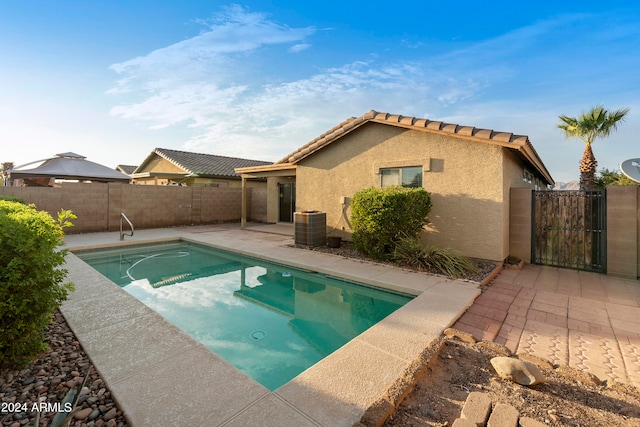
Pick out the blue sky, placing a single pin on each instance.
(112, 80)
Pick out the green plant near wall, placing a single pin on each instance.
(380, 217)
(410, 251)
(12, 199)
(32, 282)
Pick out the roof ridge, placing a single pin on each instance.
(208, 154)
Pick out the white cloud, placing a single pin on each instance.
(299, 47)
(224, 86)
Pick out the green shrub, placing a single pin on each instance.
(31, 279)
(380, 217)
(410, 251)
(12, 199)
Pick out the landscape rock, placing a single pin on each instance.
(476, 408)
(518, 371)
(538, 361)
(503, 415)
(530, 422)
(82, 414)
(49, 378)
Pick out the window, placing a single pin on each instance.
(406, 177)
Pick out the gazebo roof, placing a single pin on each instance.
(71, 166)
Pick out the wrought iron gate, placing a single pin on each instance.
(569, 229)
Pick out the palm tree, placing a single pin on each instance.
(595, 123)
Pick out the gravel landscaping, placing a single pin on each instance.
(47, 380)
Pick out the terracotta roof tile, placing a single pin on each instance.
(434, 125)
(502, 136)
(448, 127)
(483, 133)
(466, 130)
(408, 120)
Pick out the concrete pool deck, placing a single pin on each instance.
(161, 376)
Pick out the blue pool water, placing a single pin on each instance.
(270, 321)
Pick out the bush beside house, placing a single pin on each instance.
(382, 216)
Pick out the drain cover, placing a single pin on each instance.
(258, 335)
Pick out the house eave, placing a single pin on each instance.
(276, 169)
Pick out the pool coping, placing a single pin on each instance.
(157, 373)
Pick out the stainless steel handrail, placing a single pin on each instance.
(122, 234)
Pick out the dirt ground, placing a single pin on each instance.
(567, 398)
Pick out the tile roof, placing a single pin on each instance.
(128, 169)
(519, 143)
(204, 165)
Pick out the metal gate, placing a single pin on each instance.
(569, 229)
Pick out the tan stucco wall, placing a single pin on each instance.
(158, 164)
(465, 178)
(513, 179)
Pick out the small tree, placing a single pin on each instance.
(32, 282)
(606, 177)
(595, 123)
(380, 217)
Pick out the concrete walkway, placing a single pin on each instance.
(584, 320)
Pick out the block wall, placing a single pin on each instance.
(98, 206)
(623, 227)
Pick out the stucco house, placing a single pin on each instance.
(174, 167)
(468, 171)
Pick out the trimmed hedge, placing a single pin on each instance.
(380, 217)
(31, 280)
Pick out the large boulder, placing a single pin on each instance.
(518, 371)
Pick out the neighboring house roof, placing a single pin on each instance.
(128, 169)
(203, 165)
(71, 166)
(519, 143)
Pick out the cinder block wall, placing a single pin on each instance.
(623, 226)
(98, 206)
(90, 202)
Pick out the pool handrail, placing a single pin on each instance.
(122, 233)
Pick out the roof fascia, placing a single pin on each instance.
(274, 169)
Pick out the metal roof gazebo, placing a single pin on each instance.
(70, 166)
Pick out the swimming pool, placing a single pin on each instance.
(270, 321)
